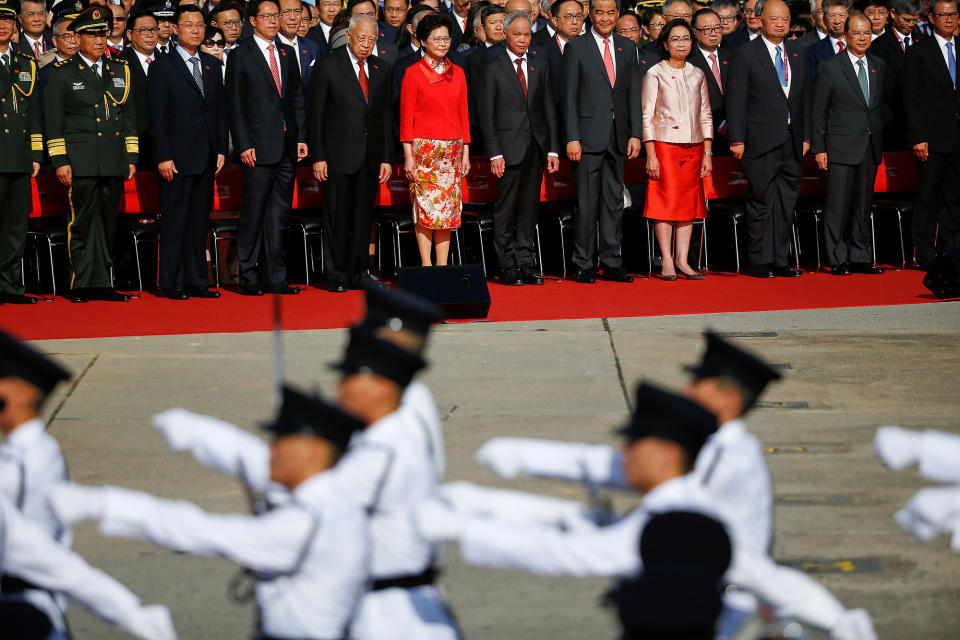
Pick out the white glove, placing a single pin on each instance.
(438, 521)
(177, 427)
(854, 624)
(931, 511)
(898, 448)
(503, 456)
(152, 622)
(73, 503)
(515, 506)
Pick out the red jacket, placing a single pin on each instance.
(434, 106)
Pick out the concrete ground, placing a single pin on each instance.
(847, 371)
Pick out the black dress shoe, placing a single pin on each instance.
(108, 294)
(283, 289)
(530, 275)
(362, 281)
(16, 298)
(840, 269)
(176, 294)
(864, 267)
(336, 286)
(79, 295)
(763, 271)
(616, 274)
(202, 292)
(251, 291)
(587, 276)
(511, 277)
(785, 272)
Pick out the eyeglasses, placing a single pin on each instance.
(269, 16)
(728, 19)
(213, 43)
(679, 39)
(35, 14)
(572, 17)
(709, 30)
(860, 34)
(749, 12)
(657, 25)
(66, 36)
(366, 39)
(232, 23)
(440, 41)
(946, 16)
(876, 12)
(146, 31)
(290, 11)
(678, 16)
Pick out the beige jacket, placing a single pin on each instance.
(676, 106)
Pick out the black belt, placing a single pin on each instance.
(427, 577)
(12, 584)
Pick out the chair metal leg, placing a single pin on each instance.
(306, 263)
(136, 259)
(736, 243)
(396, 231)
(563, 250)
(796, 245)
(216, 258)
(703, 246)
(483, 256)
(536, 230)
(903, 251)
(873, 239)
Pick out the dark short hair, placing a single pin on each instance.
(224, 7)
(491, 10)
(353, 3)
(629, 14)
(430, 22)
(912, 7)
(416, 9)
(186, 8)
(253, 7)
(555, 7)
(667, 28)
(209, 32)
(701, 13)
(650, 14)
(134, 16)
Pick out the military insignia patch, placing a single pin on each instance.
(25, 76)
(96, 15)
(119, 82)
(78, 86)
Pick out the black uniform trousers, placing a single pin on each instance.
(92, 228)
(774, 184)
(598, 179)
(267, 197)
(186, 202)
(846, 212)
(14, 212)
(515, 213)
(937, 201)
(347, 220)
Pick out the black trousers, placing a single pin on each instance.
(267, 197)
(14, 212)
(598, 179)
(774, 184)
(846, 214)
(92, 228)
(937, 200)
(186, 202)
(515, 213)
(347, 219)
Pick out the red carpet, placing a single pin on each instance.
(318, 309)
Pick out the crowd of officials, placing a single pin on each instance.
(101, 91)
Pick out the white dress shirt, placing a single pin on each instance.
(613, 50)
(874, 36)
(143, 61)
(942, 43)
(326, 30)
(460, 21)
(526, 75)
(291, 43)
(32, 41)
(772, 49)
(900, 38)
(835, 44)
(356, 67)
(309, 556)
(866, 67)
(262, 45)
(90, 63)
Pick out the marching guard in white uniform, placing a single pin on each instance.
(309, 557)
(665, 434)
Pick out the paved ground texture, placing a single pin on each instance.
(847, 371)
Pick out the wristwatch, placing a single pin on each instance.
(708, 153)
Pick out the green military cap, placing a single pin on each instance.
(650, 4)
(68, 9)
(96, 19)
(9, 8)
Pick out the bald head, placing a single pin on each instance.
(776, 19)
(519, 5)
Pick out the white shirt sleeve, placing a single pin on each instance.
(565, 460)
(361, 474)
(940, 457)
(268, 543)
(516, 507)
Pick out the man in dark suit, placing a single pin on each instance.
(34, 38)
(228, 17)
(568, 17)
(189, 120)
(603, 126)
(142, 35)
(518, 118)
(385, 50)
(351, 136)
(768, 106)
(491, 21)
(819, 31)
(892, 47)
(291, 16)
(847, 117)
(714, 62)
(749, 30)
(268, 122)
(933, 129)
(394, 15)
(835, 13)
(459, 11)
(328, 10)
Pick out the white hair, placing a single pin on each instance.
(359, 19)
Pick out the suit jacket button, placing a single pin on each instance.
(868, 131)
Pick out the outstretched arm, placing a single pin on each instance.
(516, 507)
(936, 452)
(598, 463)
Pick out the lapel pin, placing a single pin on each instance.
(375, 67)
(206, 66)
(532, 69)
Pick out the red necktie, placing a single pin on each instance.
(716, 70)
(274, 69)
(364, 82)
(521, 77)
(608, 62)
(840, 46)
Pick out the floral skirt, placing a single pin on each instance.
(437, 203)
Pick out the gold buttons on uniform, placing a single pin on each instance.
(99, 134)
(98, 119)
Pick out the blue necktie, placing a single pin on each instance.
(781, 69)
(952, 63)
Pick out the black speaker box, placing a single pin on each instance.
(460, 292)
(943, 276)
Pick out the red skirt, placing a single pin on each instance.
(678, 194)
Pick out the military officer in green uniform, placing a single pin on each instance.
(92, 142)
(21, 151)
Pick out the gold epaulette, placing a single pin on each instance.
(60, 63)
